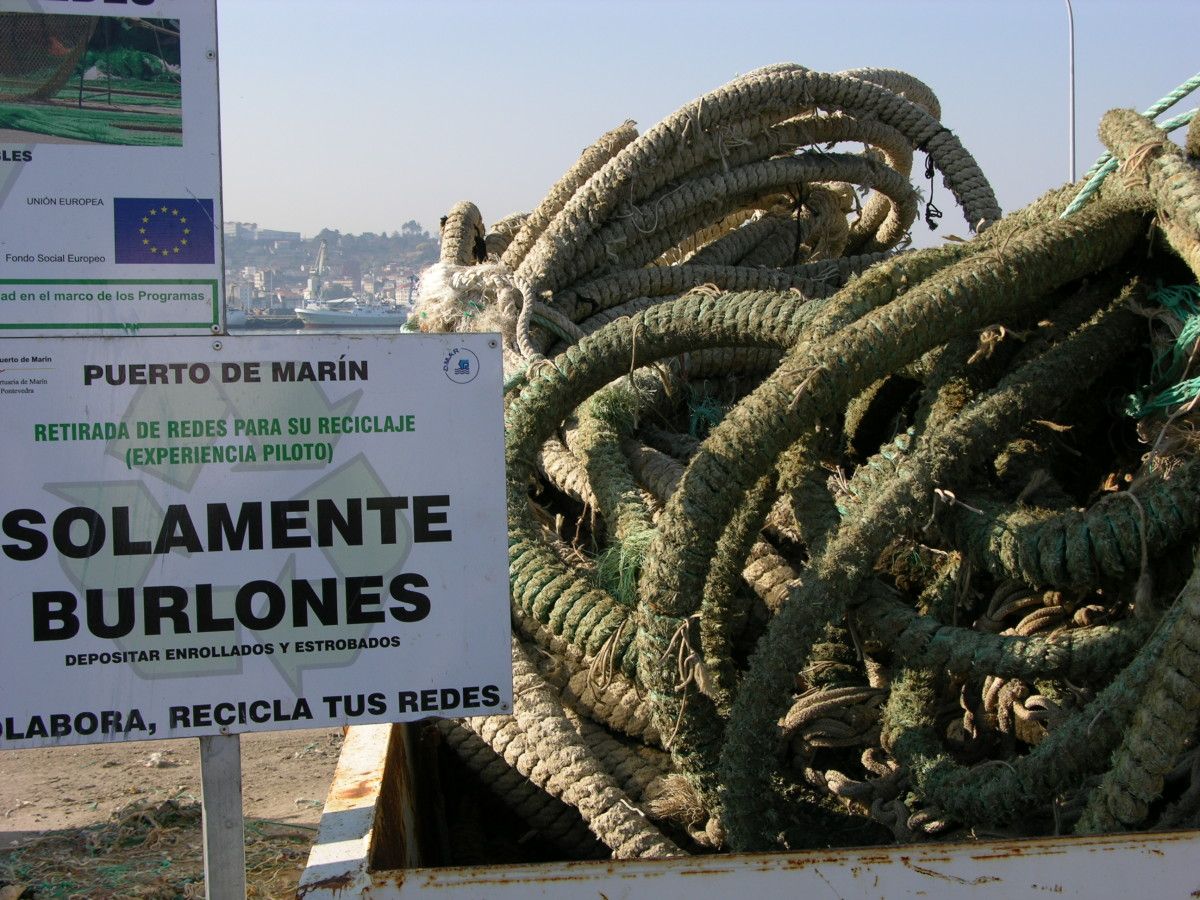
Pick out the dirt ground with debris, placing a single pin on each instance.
(50, 793)
(285, 777)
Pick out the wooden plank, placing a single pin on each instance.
(224, 828)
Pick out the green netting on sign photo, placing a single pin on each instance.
(108, 80)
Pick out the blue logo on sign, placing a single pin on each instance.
(461, 365)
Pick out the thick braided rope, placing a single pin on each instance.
(639, 770)
(819, 231)
(543, 587)
(1174, 182)
(765, 572)
(558, 759)
(748, 136)
(846, 564)
(605, 148)
(1152, 112)
(1053, 548)
(1105, 165)
(642, 233)
(500, 236)
(777, 93)
(732, 245)
(548, 816)
(961, 298)
(819, 131)
(875, 289)
(564, 471)
(829, 234)
(462, 234)
(590, 684)
(902, 83)
(588, 300)
(1165, 720)
(603, 421)
(704, 150)
(1080, 548)
(559, 615)
(1007, 794)
(713, 231)
(723, 609)
(1080, 655)
(847, 561)
(776, 242)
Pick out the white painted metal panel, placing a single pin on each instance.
(203, 536)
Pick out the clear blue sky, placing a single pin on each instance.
(362, 114)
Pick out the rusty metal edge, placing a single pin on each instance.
(339, 861)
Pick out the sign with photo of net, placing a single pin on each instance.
(97, 134)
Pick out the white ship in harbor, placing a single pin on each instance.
(351, 312)
(347, 312)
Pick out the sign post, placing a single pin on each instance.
(224, 828)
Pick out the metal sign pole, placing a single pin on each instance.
(224, 829)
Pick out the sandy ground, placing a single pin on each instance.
(285, 777)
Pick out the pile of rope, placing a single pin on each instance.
(815, 540)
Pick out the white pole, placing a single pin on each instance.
(224, 828)
(1071, 89)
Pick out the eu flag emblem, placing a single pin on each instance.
(163, 230)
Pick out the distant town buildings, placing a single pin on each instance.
(270, 269)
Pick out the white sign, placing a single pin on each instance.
(202, 536)
(110, 168)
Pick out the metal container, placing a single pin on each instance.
(370, 846)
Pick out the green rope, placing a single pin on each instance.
(1106, 164)
(619, 566)
(1166, 715)
(1183, 301)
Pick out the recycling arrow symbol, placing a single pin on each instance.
(355, 478)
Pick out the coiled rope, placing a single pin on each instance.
(865, 538)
